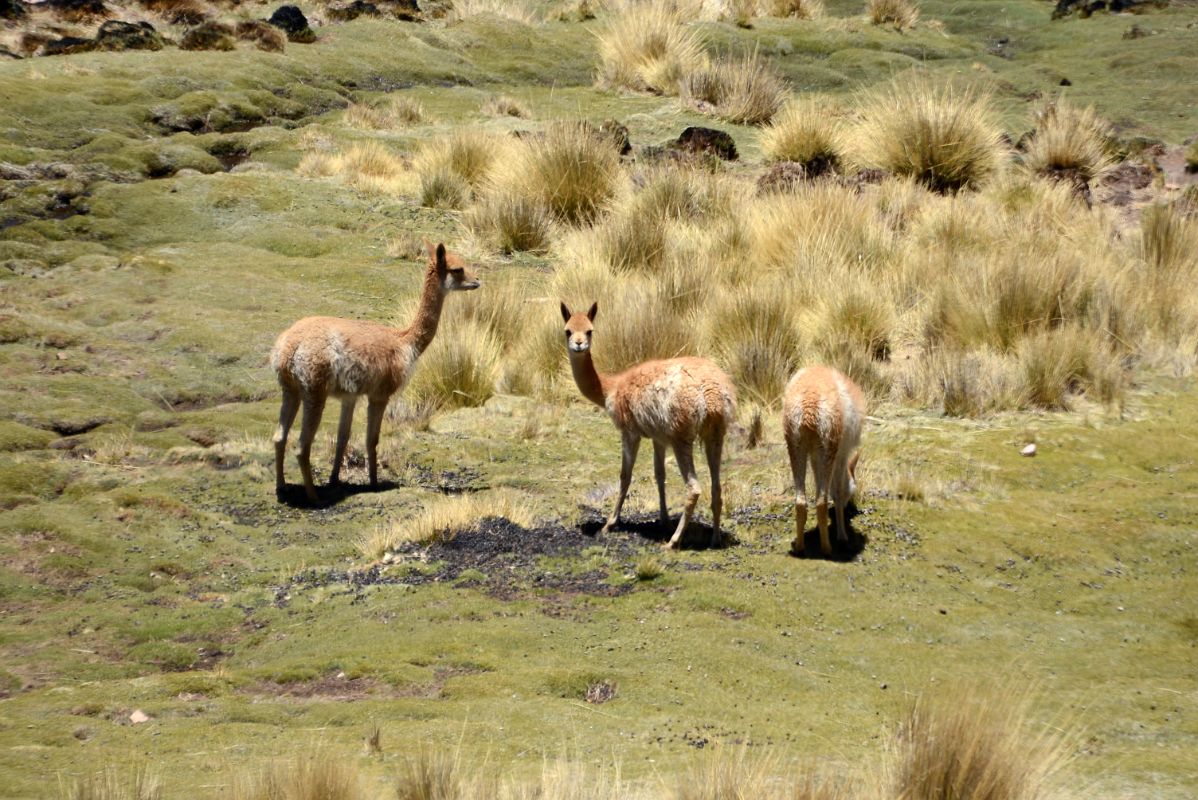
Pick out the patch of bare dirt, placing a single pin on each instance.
(340, 688)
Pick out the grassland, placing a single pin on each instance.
(145, 563)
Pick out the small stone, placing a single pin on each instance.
(883, 686)
(1028, 451)
(138, 717)
(61, 355)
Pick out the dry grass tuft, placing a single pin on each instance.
(744, 91)
(319, 776)
(960, 744)
(899, 14)
(799, 9)
(503, 106)
(395, 112)
(946, 138)
(110, 785)
(572, 171)
(808, 131)
(369, 166)
(443, 519)
(649, 568)
(1069, 143)
(649, 47)
(511, 223)
(458, 370)
(755, 336)
(514, 10)
(451, 169)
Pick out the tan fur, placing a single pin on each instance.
(672, 402)
(823, 412)
(319, 357)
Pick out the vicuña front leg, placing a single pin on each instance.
(631, 444)
(659, 475)
(715, 448)
(374, 426)
(684, 454)
(343, 426)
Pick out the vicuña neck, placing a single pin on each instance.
(422, 330)
(593, 386)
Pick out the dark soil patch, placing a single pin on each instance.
(345, 689)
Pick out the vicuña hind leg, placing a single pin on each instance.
(823, 466)
(684, 453)
(798, 469)
(715, 448)
(313, 409)
(343, 426)
(287, 414)
(631, 444)
(659, 475)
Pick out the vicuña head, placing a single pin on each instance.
(346, 358)
(672, 402)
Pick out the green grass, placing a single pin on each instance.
(147, 565)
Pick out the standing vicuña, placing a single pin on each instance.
(673, 402)
(822, 414)
(346, 358)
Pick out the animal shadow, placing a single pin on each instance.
(697, 535)
(293, 494)
(842, 551)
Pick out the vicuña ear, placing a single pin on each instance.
(428, 248)
(594, 310)
(566, 312)
(442, 264)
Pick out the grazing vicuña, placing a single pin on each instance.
(822, 415)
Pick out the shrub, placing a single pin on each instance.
(1069, 143)
(944, 137)
(807, 132)
(450, 169)
(743, 91)
(901, 14)
(441, 187)
(754, 335)
(458, 370)
(1058, 364)
(648, 47)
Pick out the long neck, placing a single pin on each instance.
(594, 387)
(422, 330)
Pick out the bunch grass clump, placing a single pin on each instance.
(510, 222)
(316, 776)
(514, 10)
(458, 370)
(744, 91)
(502, 105)
(571, 171)
(649, 47)
(368, 166)
(797, 9)
(1069, 143)
(451, 169)
(944, 137)
(754, 334)
(808, 131)
(394, 113)
(111, 785)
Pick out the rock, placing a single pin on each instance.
(781, 177)
(697, 140)
(78, 10)
(1028, 451)
(1085, 8)
(264, 35)
(208, 36)
(406, 10)
(138, 717)
(293, 22)
(13, 9)
(117, 35)
(1066, 82)
(67, 45)
(344, 12)
(617, 132)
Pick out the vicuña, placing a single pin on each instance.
(822, 415)
(673, 402)
(347, 358)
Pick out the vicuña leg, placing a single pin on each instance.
(715, 448)
(840, 498)
(684, 453)
(798, 469)
(632, 443)
(343, 426)
(659, 475)
(313, 410)
(291, 404)
(823, 468)
(374, 426)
